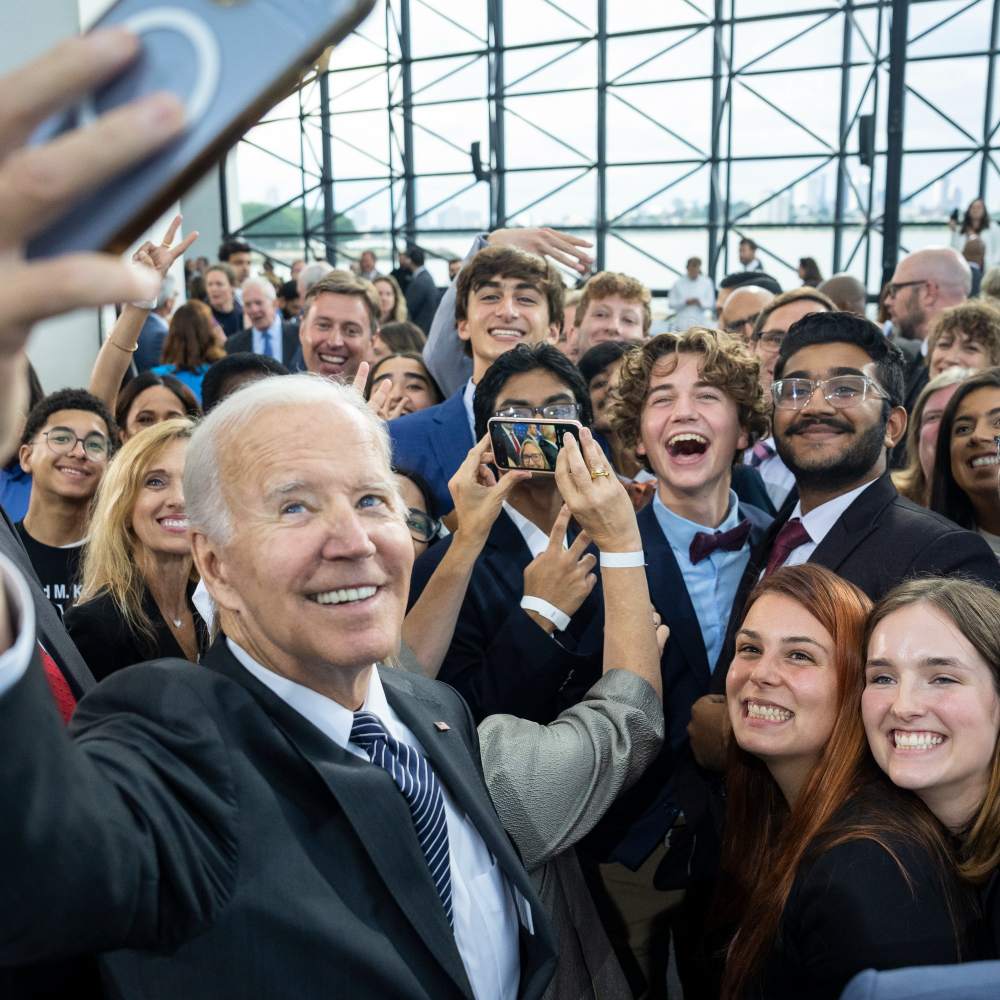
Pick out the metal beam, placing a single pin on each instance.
(894, 137)
(713, 173)
(409, 174)
(326, 176)
(843, 181)
(601, 208)
(496, 89)
(988, 112)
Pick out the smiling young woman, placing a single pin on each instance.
(827, 869)
(931, 709)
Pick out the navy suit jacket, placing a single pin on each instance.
(242, 343)
(433, 443)
(422, 300)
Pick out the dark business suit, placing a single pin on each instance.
(422, 300)
(499, 659)
(242, 342)
(214, 844)
(433, 443)
(851, 908)
(881, 540)
(916, 376)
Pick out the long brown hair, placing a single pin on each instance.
(764, 835)
(190, 341)
(975, 611)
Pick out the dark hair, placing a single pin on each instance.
(758, 278)
(598, 357)
(846, 328)
(228, 247)
(967, 218)
(289, 290)
(402, 336)
(67, 399)
(214, 386)
(422, 485)
(947, 497)
(746, 241)
(410, 356)
(35, 391)
(416, 255)
(146, 380)
(190, 341)
(527, 359)
(812, 272)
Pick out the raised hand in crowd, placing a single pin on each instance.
(116, 352)
(478, 498)
(561, 247)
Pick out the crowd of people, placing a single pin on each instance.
(307, 694)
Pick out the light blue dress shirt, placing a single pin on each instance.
(277, 351)
(713, 582)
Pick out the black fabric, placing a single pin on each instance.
(214, 845)
(422, 300)
(242, 342)
(108, 643)
(57, 569)
(231, 322)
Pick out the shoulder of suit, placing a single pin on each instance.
(434, 694)
(413, 423)
(929, 523)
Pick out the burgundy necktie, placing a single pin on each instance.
(792, 535)
(705, 543)
(61, 691)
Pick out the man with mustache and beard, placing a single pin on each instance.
(837, 393)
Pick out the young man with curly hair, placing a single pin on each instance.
(689, 403)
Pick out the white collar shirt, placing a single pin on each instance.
(485, 918)
(819, 521)
(467, 397)
(536, 539)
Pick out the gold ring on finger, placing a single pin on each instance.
(597, 473)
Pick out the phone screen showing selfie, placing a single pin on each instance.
(528, 444)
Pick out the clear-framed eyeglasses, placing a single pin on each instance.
(62, 441)
(841, 391)
(554, 411)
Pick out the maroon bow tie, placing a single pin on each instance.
(705, 543)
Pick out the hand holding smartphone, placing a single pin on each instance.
(530, 445)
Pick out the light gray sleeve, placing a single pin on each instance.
(552, 784)
(444, 353)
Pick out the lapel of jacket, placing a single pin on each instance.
(669, 595)
(454, 439)
(855, 525)
(374, 817)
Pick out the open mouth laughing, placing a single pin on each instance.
(687, 445)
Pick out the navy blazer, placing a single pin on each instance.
(433, 443)
(242, 343)
(641, 817)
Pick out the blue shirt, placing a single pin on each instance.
(192, 379)
(15, 490)
(712, 583)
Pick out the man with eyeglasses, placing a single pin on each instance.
(504, 297)
(65, 448)
(741, 310)
(765, 342)
(528, 658)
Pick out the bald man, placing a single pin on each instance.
(847, 293)
(741, 310)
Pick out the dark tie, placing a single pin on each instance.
(762, 451)
(705, 543)
(792, 535)
(267, 339)
(415, 778)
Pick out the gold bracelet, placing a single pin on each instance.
(128, 350)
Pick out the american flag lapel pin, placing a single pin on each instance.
(442, 727)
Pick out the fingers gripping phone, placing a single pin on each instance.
(532, 445)
(228, 61)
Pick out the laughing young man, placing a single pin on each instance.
(690, 402)
(504, 297)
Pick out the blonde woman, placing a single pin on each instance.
(391, 299)
(137, 571)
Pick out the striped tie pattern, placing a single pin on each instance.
(415, 778)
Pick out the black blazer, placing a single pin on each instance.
(242, 342)
(422, 300)
(213, 844)
(881, 540)
(852, 909)
(108, 643)
(499, 659)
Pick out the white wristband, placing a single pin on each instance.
(148, 304)
(548, 611)
(622, 560)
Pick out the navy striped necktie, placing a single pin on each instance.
(415, 778)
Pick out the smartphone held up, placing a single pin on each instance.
(228, 62)
(531, 445)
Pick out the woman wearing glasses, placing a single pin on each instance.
(65, 448)
(137, 571)
(966, 483)
(425, 528)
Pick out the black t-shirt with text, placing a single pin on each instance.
(57, 568)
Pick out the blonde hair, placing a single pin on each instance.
(109, 564)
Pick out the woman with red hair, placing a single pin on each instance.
(827, 869)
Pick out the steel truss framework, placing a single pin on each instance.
(676, 129)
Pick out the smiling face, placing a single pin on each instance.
(974, 460)
(930, 423)
(219, 291)
(931, 711)
(151, 406)
(314, 579)
(72, 476)
(258, 306)
(690, 430)
(336, 335)
(781, 688)
(410, 383)
(602, 387)
(830, 449)
(386, 298)
(158, 518)
(502, 313)
(611, 318)
(957, 350)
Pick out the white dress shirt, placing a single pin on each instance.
(685, 288)
(468, 395)
(485, 918)
(778, 478)
(536, 539)
(819, 521)
(277, 347)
